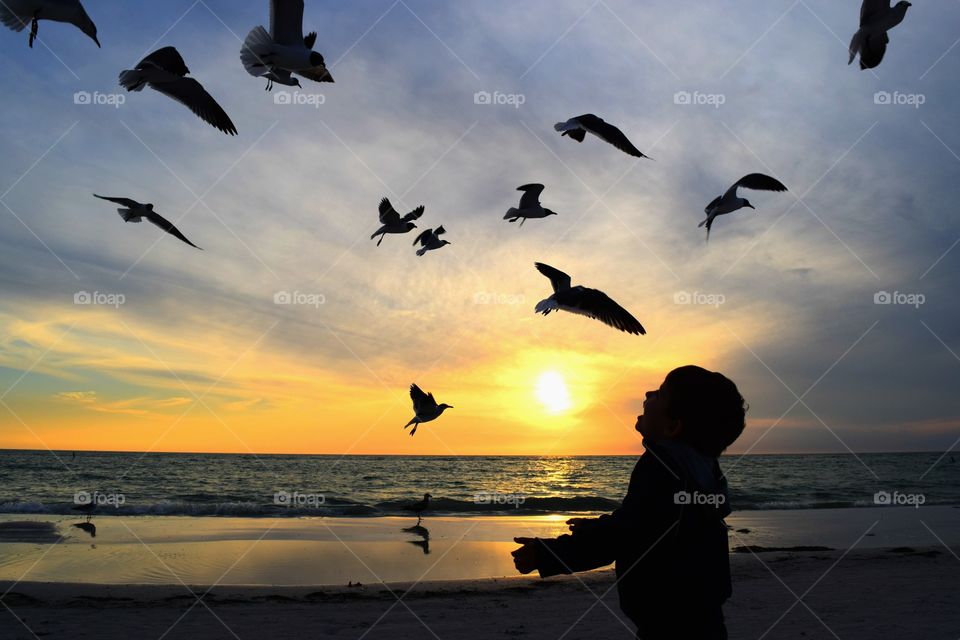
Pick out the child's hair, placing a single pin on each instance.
(709, 405)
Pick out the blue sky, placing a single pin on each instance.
(289, 204)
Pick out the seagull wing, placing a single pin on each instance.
(317, 74)
(422, 402)
(712, 204)
(757, 182)
(439, 231)
(126, 202)
(388, 215)
(167, 226)
(423, 238)
(872, 50)
(286, 22)
(168, 59)
(414, 215)
(870, 10)
(609, 133)
(192, 95)
(13, 20)
(310, 39)
(531, 195)
(599, 306)
(558, 279)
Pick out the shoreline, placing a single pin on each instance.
(863, 593)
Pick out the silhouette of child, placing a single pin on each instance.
(668, 538)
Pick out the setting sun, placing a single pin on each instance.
(552, 392)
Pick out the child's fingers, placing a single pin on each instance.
(524, 540)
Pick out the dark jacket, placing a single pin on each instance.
(670, 549)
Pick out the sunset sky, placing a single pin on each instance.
(200, 358)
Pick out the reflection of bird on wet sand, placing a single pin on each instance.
(424, 533)
(87, 527)
(419, 507)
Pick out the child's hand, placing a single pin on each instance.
(525, 558)
(580, 524)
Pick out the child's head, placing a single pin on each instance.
(702, 408)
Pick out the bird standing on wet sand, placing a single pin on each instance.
(577, 128)
(585, 302)
(393, 223)
(530, 206)
(730, 201)
(133, 211)
(419, 507)
(425, 408)
(17, 14)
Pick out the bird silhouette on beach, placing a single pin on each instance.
(392, 221)
(133, 211)
(877, 17)
(425, 408)
(165, 71)
(17, 14)
(87, 508)
(577, 128)
(429, 240)
(585, 302)
(530, 206)
(419, 507)
(423, 532)
(730, 201)
(284, 50)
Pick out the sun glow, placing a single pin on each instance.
(552, 392)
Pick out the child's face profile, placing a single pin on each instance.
(653, 423)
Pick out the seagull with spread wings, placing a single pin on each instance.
(165, 71)
(392, 221)
(283, 50)
(429, 240)
(530, 206)
(585, 302)
(425, 408)
(133, 211)
(577, 128)
(730, 201)
(870, 41)
(17, 14)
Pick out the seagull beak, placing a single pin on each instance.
(752, 207)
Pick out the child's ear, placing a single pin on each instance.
(674, 429)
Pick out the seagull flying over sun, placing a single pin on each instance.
(425, 408)
(585, 302)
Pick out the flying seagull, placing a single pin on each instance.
(585, 302)
(284, 49)
(870, 41)
(429, 240)
(17, 14)
(165, 71)
(425, 408)
(393, 223)
(577, 128)
(133, 211)
(530, 206)
(730, 201)
(419, 507)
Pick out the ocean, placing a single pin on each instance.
(369, 485)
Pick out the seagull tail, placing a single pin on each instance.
(413, 420)
(855, 45)
(705, 221)
(257, 45)
(420, 252)
(132, 80)
(546, 306)
(512, 212)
